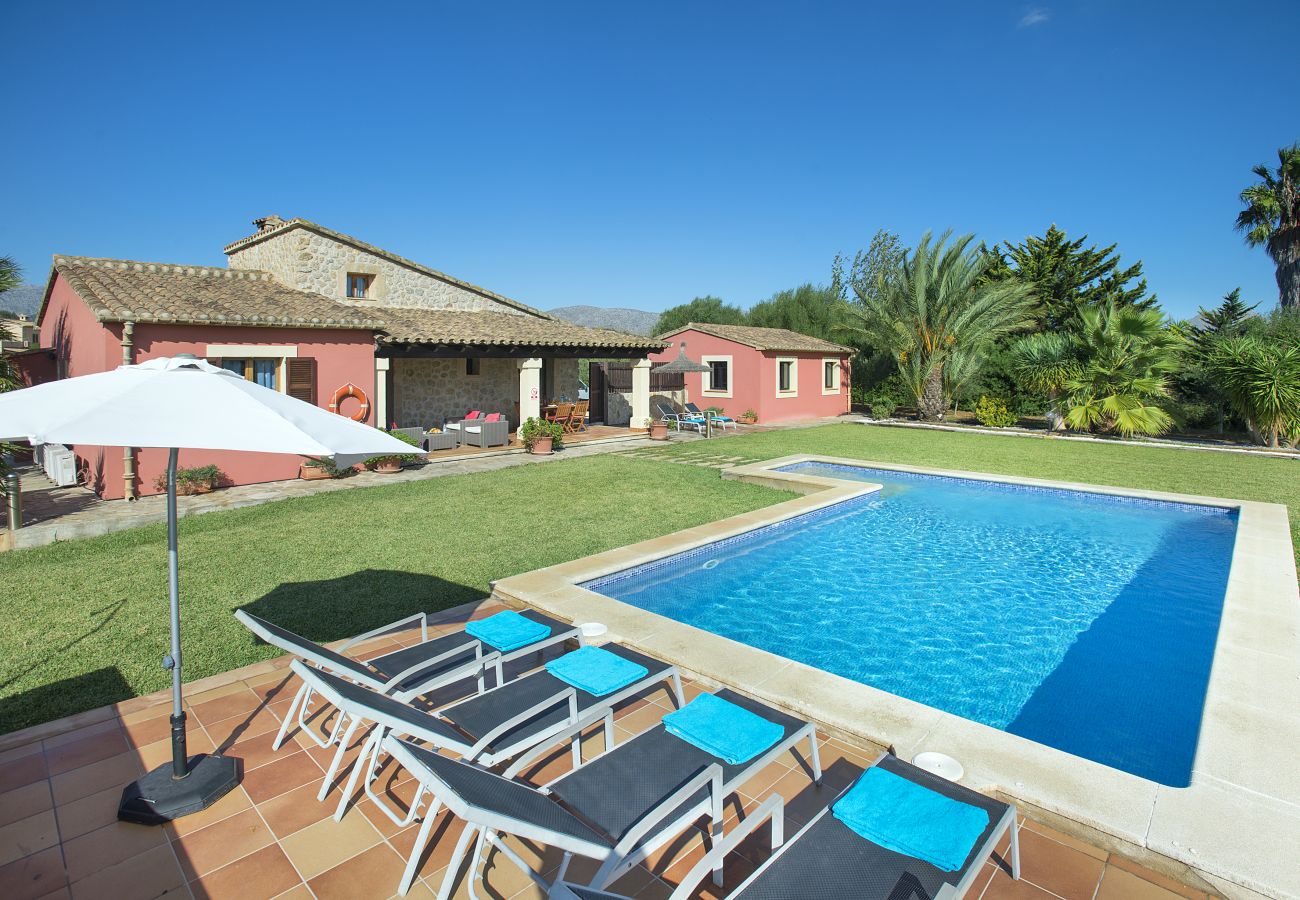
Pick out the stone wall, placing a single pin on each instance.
(302, 259)
(430, 391)
(564, 379)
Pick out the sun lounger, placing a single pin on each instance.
(843, 864)
(680, 420)
(403, 673)
(615, 809)
(491, 728)
(719, 420)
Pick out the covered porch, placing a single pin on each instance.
(440, 365)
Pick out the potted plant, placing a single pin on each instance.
(196, 480)
(749, 417)
(658, 429)
(315, 469)
(389, 465)
(541, 437)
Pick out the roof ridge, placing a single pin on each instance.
(159, 268)
(300, 222)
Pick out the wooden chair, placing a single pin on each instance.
(563, 413)
(579, 420)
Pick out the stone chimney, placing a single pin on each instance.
(266, 223)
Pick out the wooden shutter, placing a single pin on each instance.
(302, 378)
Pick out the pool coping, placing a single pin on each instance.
(1237, 823)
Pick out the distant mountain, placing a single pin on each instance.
(24, 299)
(631, 321)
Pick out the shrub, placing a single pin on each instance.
(881, 401)
(195, 480)
(533, 429)
(397, 458)
(993, 412)
(327, 465)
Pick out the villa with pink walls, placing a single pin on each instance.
(315, 314)
(781, 375)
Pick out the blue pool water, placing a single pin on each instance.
(1081, 621)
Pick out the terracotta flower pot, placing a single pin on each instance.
(659, 431)
(389, 467)
(748, 420)
(541, 446)
(312, 473)
(203, 487)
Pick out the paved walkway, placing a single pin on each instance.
(65, 514)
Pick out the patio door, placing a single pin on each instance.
(596, 391)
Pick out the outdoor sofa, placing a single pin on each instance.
(615, 809)
(840, 862)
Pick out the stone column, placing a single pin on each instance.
(382, 412)
(640, 393)
(530, 389)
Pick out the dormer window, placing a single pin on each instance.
(358, 286)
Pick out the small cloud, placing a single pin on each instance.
(1034, 15)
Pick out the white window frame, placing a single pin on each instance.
(258, 351)
(706, 378)
(833, 360)
(794, 376)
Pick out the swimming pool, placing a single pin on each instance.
(1082, 621)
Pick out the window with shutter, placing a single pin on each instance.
(302, 378)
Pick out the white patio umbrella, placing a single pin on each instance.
(173, 403)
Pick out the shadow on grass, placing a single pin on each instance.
(338, 608)
(63, 698)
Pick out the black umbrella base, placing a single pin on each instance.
(158, 797)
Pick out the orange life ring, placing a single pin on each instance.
(351, 390)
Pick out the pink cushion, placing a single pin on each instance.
(493, 417)
(473, 414)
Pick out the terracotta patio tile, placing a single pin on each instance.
(23, 770)
(320, 847)
(27, 836)
(263, 719)
(88, 813)
(234, 686)
(77, 735)
(262, 874)
(302, 892)
(116, 771)
(1062, 838)
(33, 876)
(234, 802)
(1118, 884)
(280, 776)
(143, 876)
(256, 751)
(235, 703)
(373, 873)
(30, 748)
(1119, 862)
(1002, 887)
(221, 843)
(147, 731)
(1057, 868)
(295, 810)
(25, 801)
(154, 755)
(437, 853)
(108, 846)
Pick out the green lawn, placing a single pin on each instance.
(88, 618)
(1233, 475)
(86, 621)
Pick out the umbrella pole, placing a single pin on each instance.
(180, 760)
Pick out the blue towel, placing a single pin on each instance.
(903, 816)
(507, 630)
(596, 671)
(730, 732)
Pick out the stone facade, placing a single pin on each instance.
(430, 391)
(306, 260)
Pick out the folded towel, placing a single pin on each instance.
(596, 670)
(507, 630)
(730, 732)
(903, 816)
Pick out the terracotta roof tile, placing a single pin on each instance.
(120, 290)
(411, 325)
(778, 339)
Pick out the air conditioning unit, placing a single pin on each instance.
(60, 464)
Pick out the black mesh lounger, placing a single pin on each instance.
(403, 673)
(614, 809)
(843, 864)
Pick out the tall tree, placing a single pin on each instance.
(870, 270)
(1271, 219)
(10, 278)
(1262, 381)
(1067, 276)
(708, 309)
(1228, 319)
(936, 316)
(809, 309)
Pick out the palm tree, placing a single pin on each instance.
(10, 274)
(935, 317)
(1262, 382)
(1043, 363)
(1272, 219)
(1123, 359)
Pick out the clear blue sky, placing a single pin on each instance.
(638, 155)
